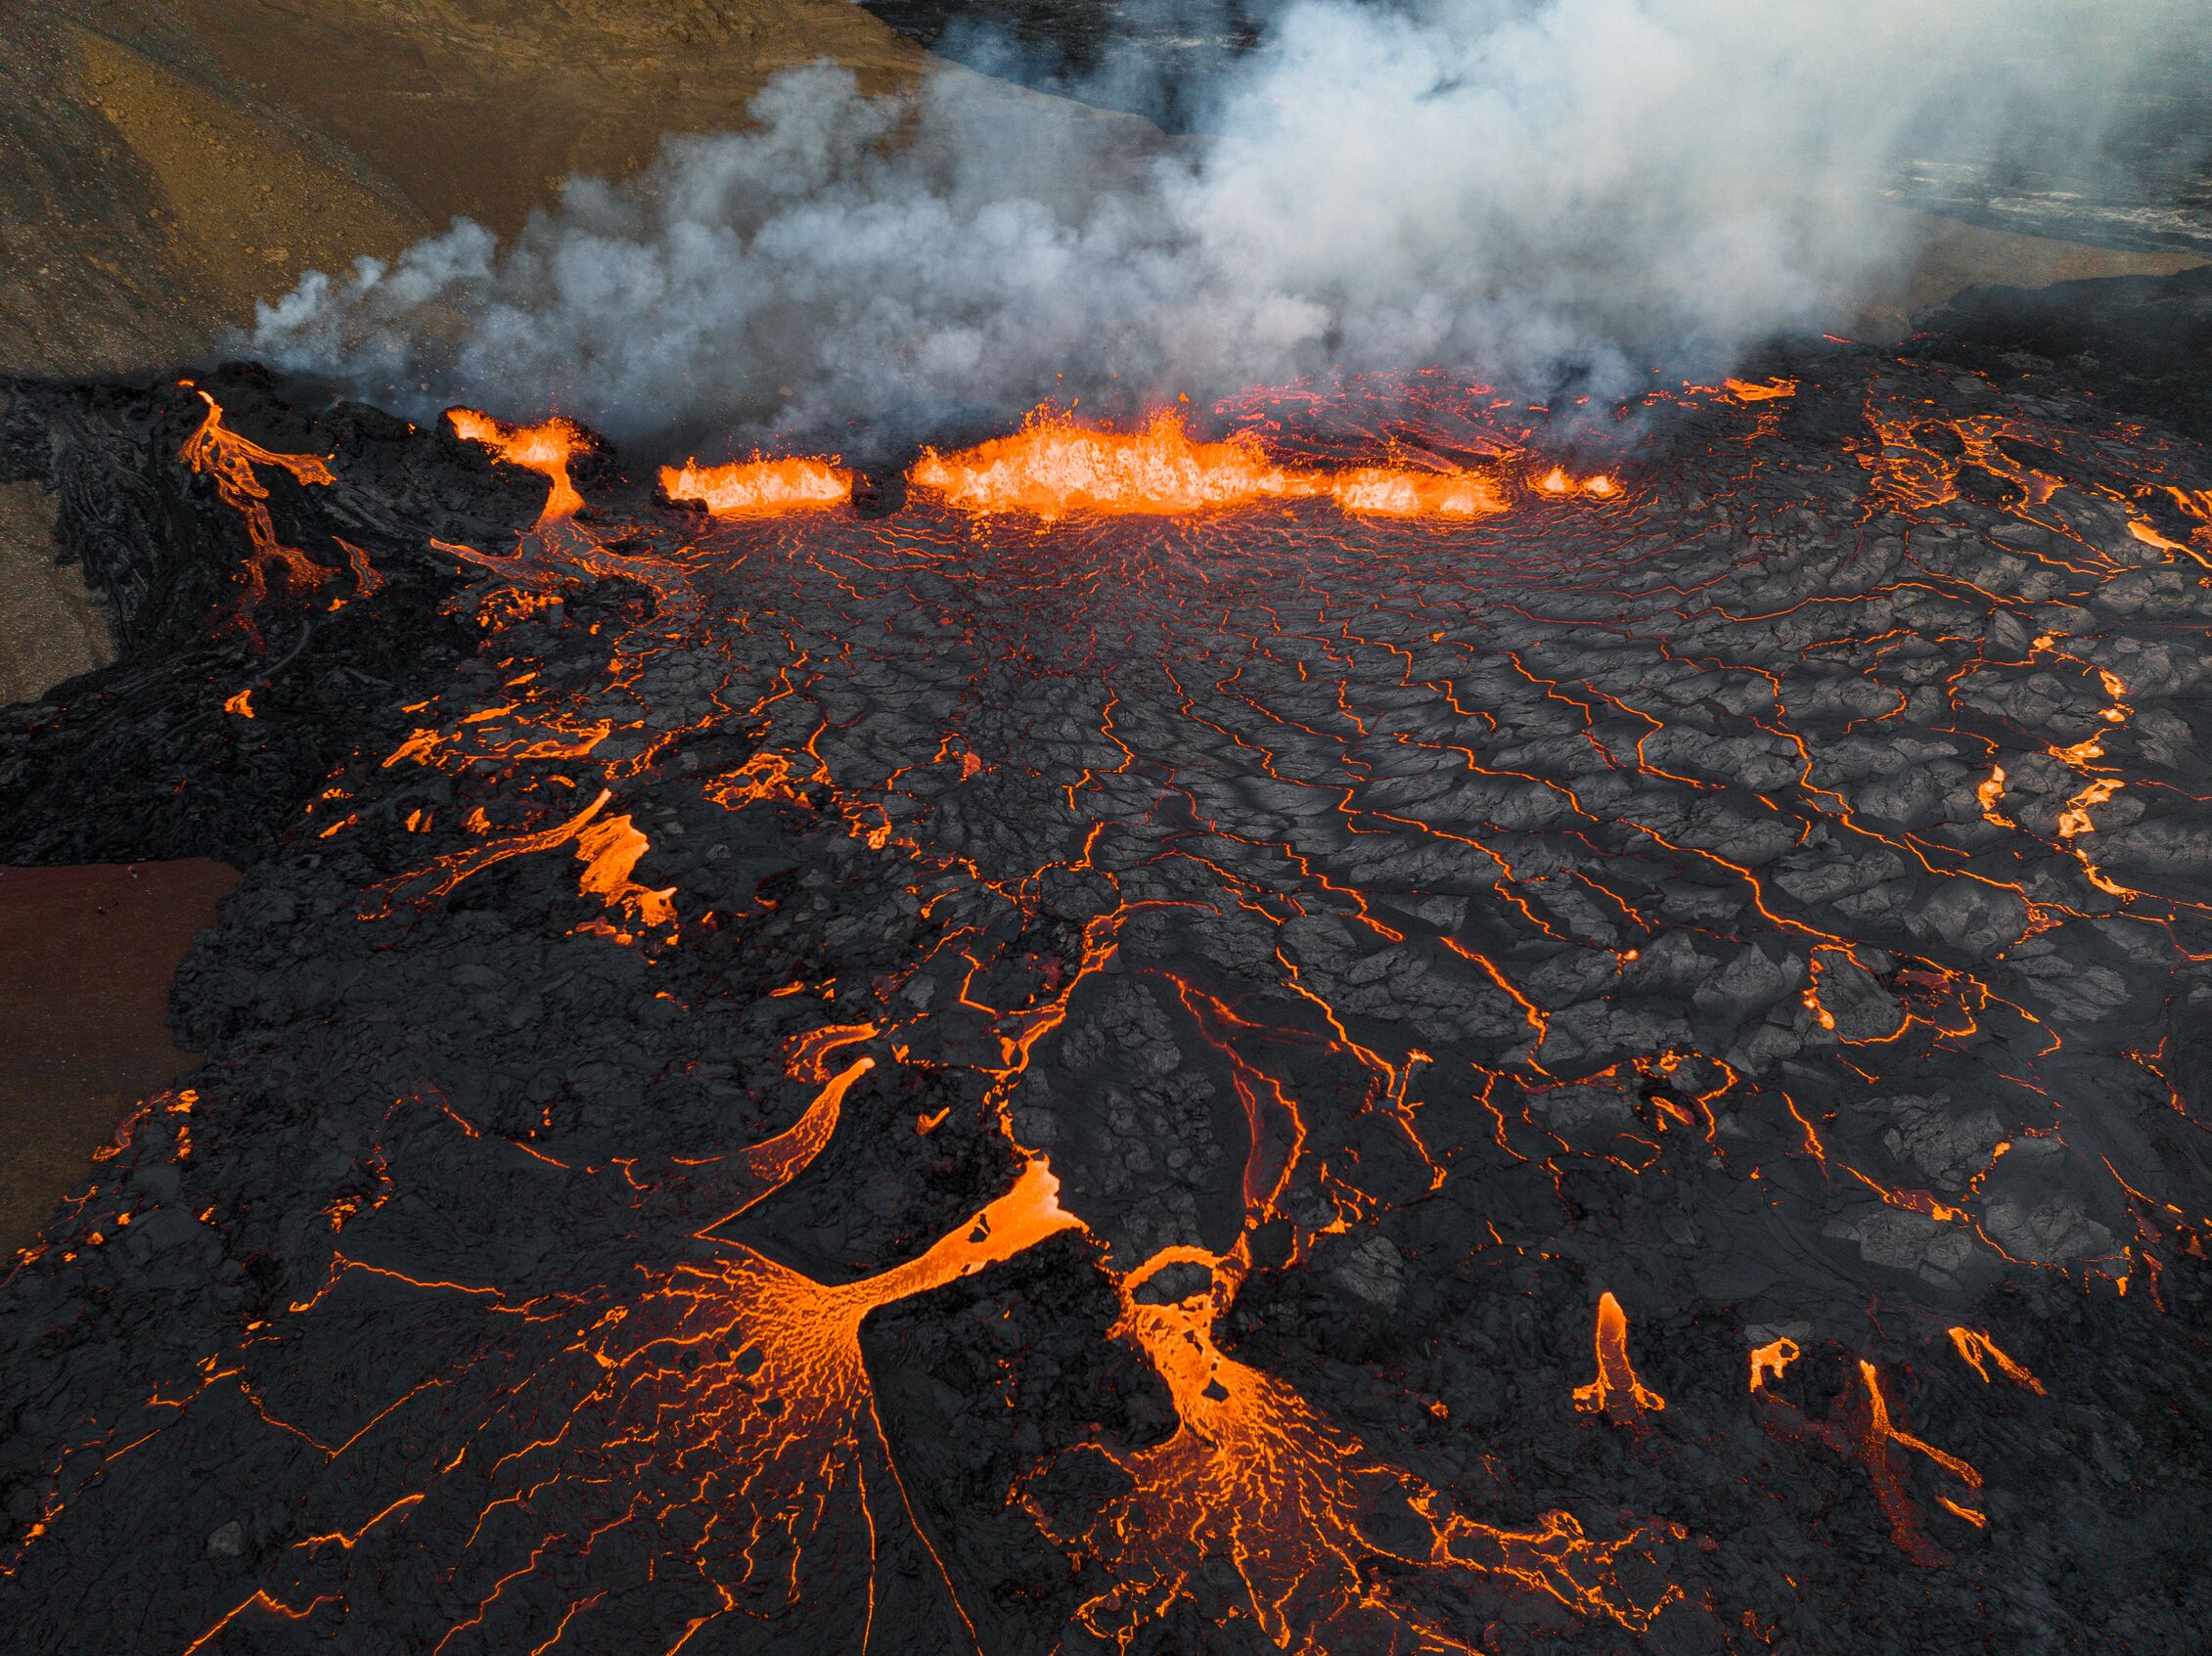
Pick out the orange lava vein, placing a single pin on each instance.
(229, 460)
(772, 1164)
(1256, 1488)
(1868, 1430)
(764, 1366)
(1979, 1350)
(457, 866)
(729, 1403)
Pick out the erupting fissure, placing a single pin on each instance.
(545, 448)
(1053, 468)
(747, 487)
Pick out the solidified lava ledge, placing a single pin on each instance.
(1609, 1053)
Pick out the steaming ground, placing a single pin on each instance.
(1559, 195)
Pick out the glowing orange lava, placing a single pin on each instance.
(1258, 1498)
(758, 487)
(1558, 482)
(728, 1389)
(783, 1438)
(229, 460)
(1979, 1350)
(1377, 491)
(781, 1474)
(545, 448)
(1760, 391)
(1053, 468)
(1615, 1392)
(1869, 1432)
(1770, 1360)
(609, 847)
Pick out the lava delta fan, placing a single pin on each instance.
(1395, 1028)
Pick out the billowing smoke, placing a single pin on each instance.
(1529, 190)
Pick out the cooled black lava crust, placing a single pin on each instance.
(1774, 895)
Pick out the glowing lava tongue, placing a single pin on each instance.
(1051, 468)
(1616, 1393)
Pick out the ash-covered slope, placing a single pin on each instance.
(1621, 1075)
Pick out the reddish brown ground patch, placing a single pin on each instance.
(87, 955)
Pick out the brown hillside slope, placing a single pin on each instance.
(166, 166)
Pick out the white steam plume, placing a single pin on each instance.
(1511, 188)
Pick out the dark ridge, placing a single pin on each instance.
(2140, 343)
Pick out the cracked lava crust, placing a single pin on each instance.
(1407, 1029)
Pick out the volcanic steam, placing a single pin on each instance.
(1565, 191)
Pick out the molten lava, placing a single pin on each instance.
(1760, 391)
(1053, 468)
(724, 1406)
(1615, 1392)
(1770, 1360)
(1377, 491)
(1867, 1430)
(609, 847)
(545, 448)
(1407, 864)
(1557, 482)
(229, 460)
(758, 487)
(1979, 1350)
(1258, 1507)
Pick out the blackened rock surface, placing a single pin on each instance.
(1773, 894)
(2141, 344)
(136, 760)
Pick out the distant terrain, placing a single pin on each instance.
(168, 166)
(2144, 186)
